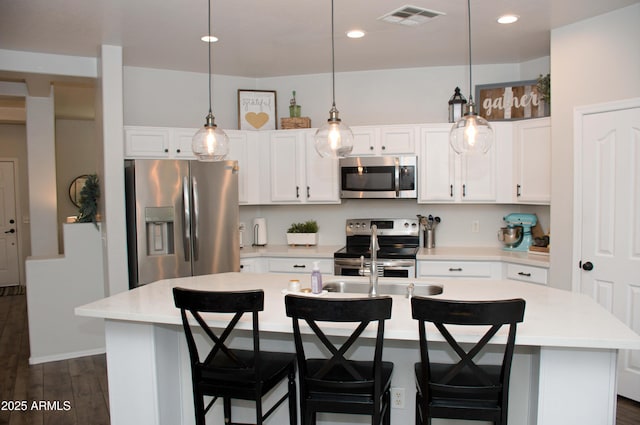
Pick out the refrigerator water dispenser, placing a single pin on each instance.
(159, 227)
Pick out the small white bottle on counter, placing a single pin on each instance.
(316, 279)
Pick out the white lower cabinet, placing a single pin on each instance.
(459, 269)
(298, 265)
(252, 265)
(526, 273)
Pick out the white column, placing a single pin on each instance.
(41, 151)
(110, 109)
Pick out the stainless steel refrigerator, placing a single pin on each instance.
(182, 219)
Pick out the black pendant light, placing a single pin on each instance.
(334, 139)
(471, 134)
(210, 143)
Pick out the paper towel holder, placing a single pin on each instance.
(259, 233)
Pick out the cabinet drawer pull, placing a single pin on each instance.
(524, 274)
(299, 266)
(456, 269)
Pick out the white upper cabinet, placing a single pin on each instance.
(297, 173)
(532, 161)
(244, 148)
(158, 142)
(384, 140)
(447, 177)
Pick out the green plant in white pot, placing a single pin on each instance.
(303, 233)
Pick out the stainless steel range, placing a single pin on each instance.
(399, 240)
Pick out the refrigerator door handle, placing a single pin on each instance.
(196, 219)
(186, 219)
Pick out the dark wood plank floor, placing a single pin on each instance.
(69, 392)
(82, 382)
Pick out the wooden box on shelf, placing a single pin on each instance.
(293, 123)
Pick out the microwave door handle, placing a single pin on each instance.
(186, 219)
(397, 176)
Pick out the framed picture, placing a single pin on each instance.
(515, 100)
(257, 110)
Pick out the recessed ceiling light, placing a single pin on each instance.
(508, 19)
(355, 34)
(209, 39)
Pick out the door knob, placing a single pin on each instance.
(11, 231)
(588, 266)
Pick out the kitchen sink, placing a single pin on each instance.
(384, 288)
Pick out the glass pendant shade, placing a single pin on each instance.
(210, 143)
(334, 139)
(471, 134)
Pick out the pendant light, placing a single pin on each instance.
(334, 139)
(210, 143)
(471, 134)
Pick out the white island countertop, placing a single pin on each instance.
(553, 317)
(565, 359)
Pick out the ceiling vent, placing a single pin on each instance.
(410, 16)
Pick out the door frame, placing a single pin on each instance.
(578, 115)
(19, 223)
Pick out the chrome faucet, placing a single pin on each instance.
(373, 271)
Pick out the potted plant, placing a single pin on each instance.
(303, 233)
(89, 195)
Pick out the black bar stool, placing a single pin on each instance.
(336, 383)
(229, 373)
(466, 389)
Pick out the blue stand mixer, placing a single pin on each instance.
(517, 235)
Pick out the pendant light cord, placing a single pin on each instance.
(209, 42)
(333, 60)
(469, 35)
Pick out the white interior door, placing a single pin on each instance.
(610, 255)
(9, 265)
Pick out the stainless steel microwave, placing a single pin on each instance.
(378, 177)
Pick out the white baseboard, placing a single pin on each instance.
(66, 356)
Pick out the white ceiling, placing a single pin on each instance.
(263, 38)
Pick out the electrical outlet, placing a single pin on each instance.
(475, 226)
(397, 398)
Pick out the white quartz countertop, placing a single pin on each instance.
(553, 317)
(451, 253)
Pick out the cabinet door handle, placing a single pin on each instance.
(384, 147)
(166, 150)
(518, 192)
(464, 190)
(451, 190)
(456, 269)
(299, 266)
(177, 150)
(370, 148)
(308, 193)
(524, 274)
(297, 191)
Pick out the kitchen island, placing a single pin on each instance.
(564, 368)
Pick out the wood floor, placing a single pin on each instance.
(74, 391)
(69, 392)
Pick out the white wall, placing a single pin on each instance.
(76, 154)
(593, 61)
(414, 95)
(454, 230)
